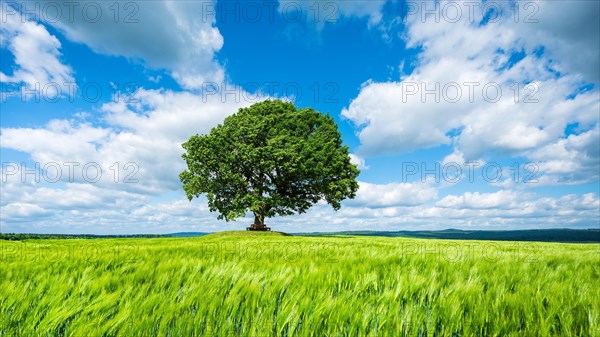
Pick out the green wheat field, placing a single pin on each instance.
(269, 284)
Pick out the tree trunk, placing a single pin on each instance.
(259, 222)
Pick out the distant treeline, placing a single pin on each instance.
(540, 235)
(18, 237)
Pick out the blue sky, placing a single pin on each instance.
(474, 116)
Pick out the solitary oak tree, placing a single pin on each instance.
(270, 159)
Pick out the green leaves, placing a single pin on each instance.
(270, 159)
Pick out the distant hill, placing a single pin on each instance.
(186, 234)
(542, 235)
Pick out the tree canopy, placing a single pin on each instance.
(270, 159)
